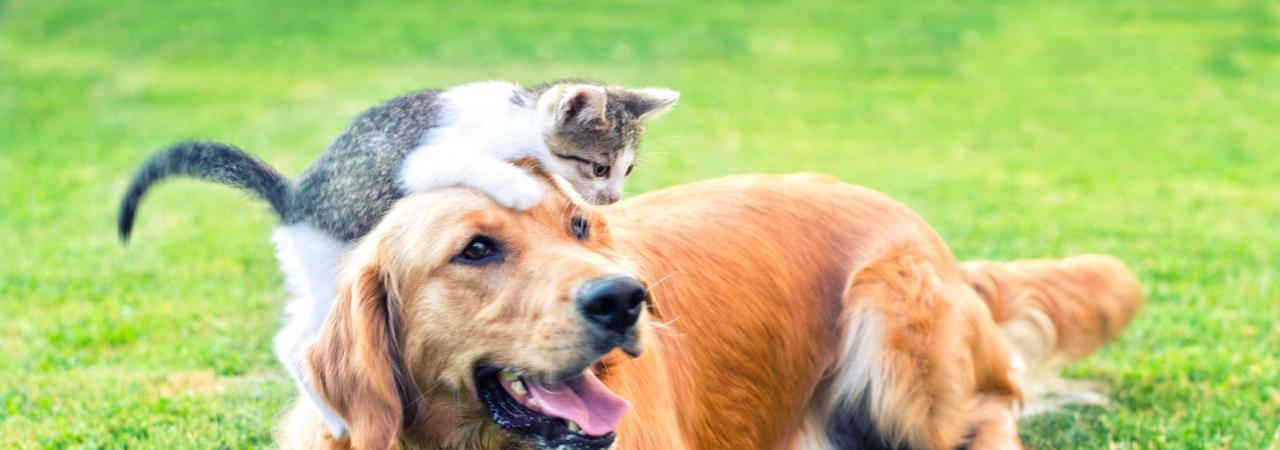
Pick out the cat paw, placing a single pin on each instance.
(520, 194)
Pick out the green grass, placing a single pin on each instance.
(1143, 128)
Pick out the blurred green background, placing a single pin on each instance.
(1145, 129)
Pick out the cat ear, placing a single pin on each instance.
(649, 103)
(584, 105)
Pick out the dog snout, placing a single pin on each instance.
(612, 303)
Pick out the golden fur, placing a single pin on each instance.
(787, 312)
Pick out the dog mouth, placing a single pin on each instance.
(575, 412)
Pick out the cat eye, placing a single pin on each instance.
(598, 170)
(479, 251)
(629, 168)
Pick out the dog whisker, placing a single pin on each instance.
(665, 327)
(660, 280)
(422, 394)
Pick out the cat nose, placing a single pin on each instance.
(613, 197)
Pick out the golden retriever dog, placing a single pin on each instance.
(750, 312)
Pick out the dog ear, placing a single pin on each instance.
(356, 365)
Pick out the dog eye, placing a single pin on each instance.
(579, 228)
(599, 170)
(480, 250)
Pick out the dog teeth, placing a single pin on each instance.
(518, 387)
(508, 376)
(573, 426)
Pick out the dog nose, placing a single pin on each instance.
(613, 303)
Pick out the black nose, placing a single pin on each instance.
(613, 303)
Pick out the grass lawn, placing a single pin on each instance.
(1145, 129)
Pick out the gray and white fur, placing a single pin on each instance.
(469, 136)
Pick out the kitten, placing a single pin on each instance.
(469, 135)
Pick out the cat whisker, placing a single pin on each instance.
(666, 138)
(648, 154)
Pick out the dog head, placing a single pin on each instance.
(467, 324)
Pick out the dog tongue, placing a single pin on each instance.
(582, 399)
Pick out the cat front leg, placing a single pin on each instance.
(507, 184)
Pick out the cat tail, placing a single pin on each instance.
(210, 161)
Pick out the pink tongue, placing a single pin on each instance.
(582, 399)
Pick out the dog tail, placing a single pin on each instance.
(1054, 312)
(211, 161)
